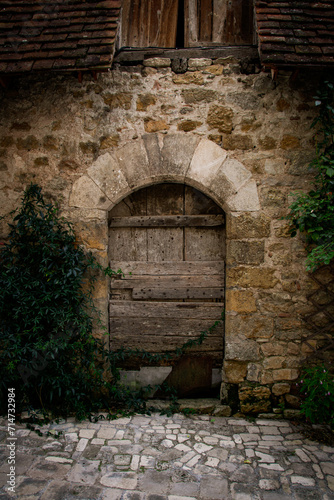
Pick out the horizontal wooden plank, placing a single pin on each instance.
(168, 327)
(177, 293)
(159, 344)
(135, 281)
(168, 221)
(139, 54)
(195, 268)
(141, 309)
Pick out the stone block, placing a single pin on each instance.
(273, 348)
(245, 252)
(253, 372)
(157, 62)
(290, 142)
(240, 301)
(235, 172)
(109, 141)
(273, 197)
(92, 235)
(206, 161)
(274, 362)
(254, 399)
(86, 194)
(285, 374)
(188, 125)
(220, 117)
(253, 327)
(215, 69)
(247, 225)
(246, 199)
(198, 63)
(237, 141)
(257, 277)
(107, 174)
(144, 101)
(198, 95)
(177, 153)
(235, 371)
(133, 162)
(245, 100)
(195, 78)
(241, 349)
(267, 143)
(152, 126)
(280, 389)
(122, 480)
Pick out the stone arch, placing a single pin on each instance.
(202, 164)
(158, 158)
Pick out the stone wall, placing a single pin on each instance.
(243, 139)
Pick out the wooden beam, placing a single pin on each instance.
(168, 221)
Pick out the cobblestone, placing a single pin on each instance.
(161, 457)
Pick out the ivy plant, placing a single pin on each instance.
(312, 213)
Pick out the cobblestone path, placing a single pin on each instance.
(168, 458)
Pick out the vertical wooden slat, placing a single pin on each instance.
(205, 20)
(191, 23)
(149, 23)
(219, 20)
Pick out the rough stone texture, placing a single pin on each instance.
(176, 457)
(254, 399)
(243, 139)
(248, 226)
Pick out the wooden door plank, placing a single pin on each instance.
(141, 309)
(133, 281)
(158, 344)
(219, 20)
(164, 244)
(190, 23)
(169, 268)
(205, 20)
(128, 243)
(168, 221)
(197, 203)
(204, 244)
(177, 293)
(169, 326)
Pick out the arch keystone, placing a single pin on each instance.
(176, 155)
(133, 161)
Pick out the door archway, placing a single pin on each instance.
(171, 238)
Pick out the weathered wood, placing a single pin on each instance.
(158, 344)
(177, 293)
(180, 327)
(165, 244)
(168, 221)
(127, 55)
(201, 244)
(220, 22)
(205, 20)
(142, 309)
(144, 23)
(169, 268)
(135, 281)
(121, 248)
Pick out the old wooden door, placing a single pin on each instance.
(171, 238)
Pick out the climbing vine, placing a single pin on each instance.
(312, 213)
(48, 352)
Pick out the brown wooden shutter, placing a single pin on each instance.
(149, 23)
(218, 22)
